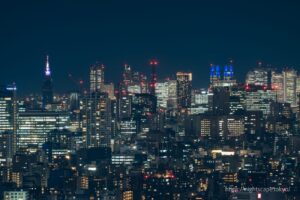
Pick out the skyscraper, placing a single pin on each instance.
(96, 78)
(123, 95)
(228, 76)
(172, 95)
(97, 120)
(8, 116)
(215, 75)
(166, 94)
(153, 64)
(124, 104)
(97, 111)
(144, 108)
(184, 89)
(34, 126)
(143, 83)
(47, 89)
(259, 99)
(228, 72)
(277, 85)
(289, 86)
(161, 92)
(259, 76)
(127, 75)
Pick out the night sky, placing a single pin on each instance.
(182, 35)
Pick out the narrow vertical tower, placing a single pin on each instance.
(47, 89)
(153, 64)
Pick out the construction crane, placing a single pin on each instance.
(78, 82)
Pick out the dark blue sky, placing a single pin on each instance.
(183, 35)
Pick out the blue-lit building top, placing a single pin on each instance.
(228, 72)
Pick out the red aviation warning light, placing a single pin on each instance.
(247, 87)
(153, 62)
(146, 176)
(265, 87)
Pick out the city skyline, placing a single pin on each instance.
(74, 82)
(189, 36)
(150, 100)
(160, 131)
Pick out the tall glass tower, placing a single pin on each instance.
(8, 121)
(96, 78)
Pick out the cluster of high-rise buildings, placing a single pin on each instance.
(152, 138)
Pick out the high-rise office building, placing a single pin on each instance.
(143, 83)
(199, 101)
(8, 108)
(172, 95)
(131, 81)
(152, 85)
(228, 76)
(166, 94)
(34, 126)
(259, 100)
(277, 85)
(259, 76)
(127, 87)
(143, 111)
(215, 74)
(184, 89)
(8, 116)
(228, 72)
(97, 120)
(124, 105)
(235, 126)
(290, 86)
(96, 78)
(161, 93)
(97, 110)
(127, 75)
(47, 89)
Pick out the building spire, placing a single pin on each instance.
(47, 71)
